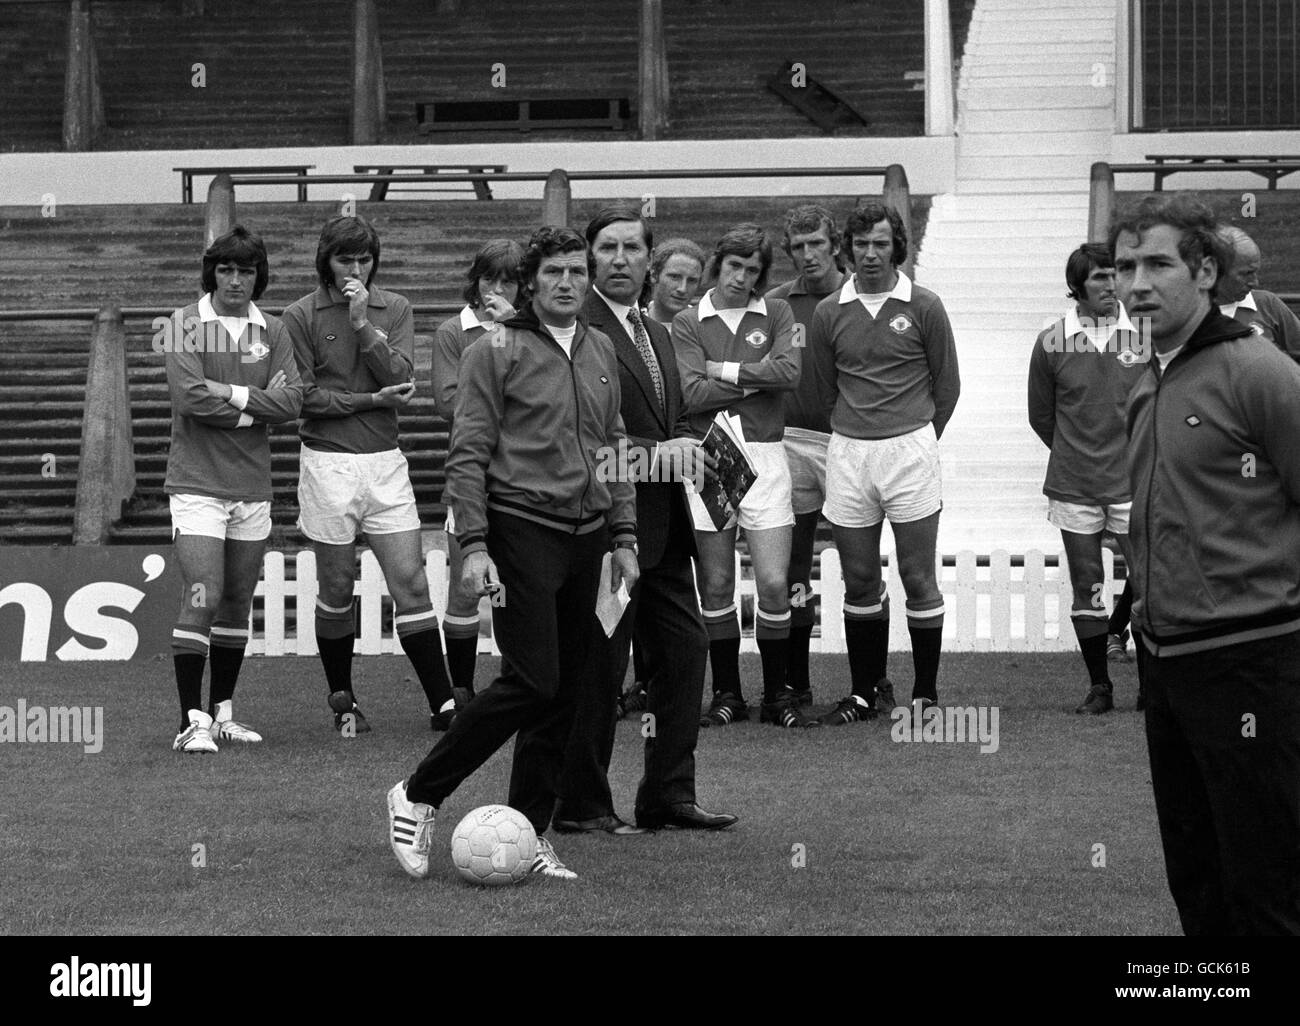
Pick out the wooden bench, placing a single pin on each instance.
(612, 112)
(1172, 163)
(188, 175)
(420, 180)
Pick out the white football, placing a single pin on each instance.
(493, 845)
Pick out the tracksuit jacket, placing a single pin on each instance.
(1214, 449)
(530, 426)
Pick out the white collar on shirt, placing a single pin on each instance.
(1230, 309)
(1074, 326)
(469, 320)
(620, 310)
(207, 312)
(707, 309)
(901, 291)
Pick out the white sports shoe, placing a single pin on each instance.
(409, 827)
(548, 863)
(195, 737)
(226, 729)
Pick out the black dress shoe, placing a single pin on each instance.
(607, 824)
(684, 816)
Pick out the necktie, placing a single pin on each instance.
(642, 342)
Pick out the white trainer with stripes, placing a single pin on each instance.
(196, 738)
(224, 728)
(409, 827)
(548, 863)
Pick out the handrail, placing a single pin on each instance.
(574, 176)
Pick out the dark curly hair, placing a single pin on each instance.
(1197, 223)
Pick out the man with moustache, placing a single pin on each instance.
(812, 242)
(1080, 374)
(1215, 472)
(536, 403)
(663, 612)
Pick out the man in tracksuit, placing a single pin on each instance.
(537, 400)
(1215, 470)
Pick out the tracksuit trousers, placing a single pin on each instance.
(1223, 734)
(546, 628)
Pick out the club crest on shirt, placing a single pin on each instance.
(1127, 357)
(1260, 330)
(757, 338)
(900, 324)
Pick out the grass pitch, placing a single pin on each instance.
(842, 830)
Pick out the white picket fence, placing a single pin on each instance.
(997, 608)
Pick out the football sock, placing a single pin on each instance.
(724, 658)
(800, 641)
(229, 640)
(417, 630)
(189, 656)
(925, 625)
(803, 615)
(723, 628)
(334, 640)
(866, 635)
(772, 631)
(1119, 617)
(460, 635)
(1092, 642)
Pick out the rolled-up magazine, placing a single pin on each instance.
(725, 439)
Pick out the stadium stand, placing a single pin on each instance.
(145, 256)
(719, 55)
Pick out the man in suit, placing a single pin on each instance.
(663, 611)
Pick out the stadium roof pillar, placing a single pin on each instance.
(939, 107)
(652, 71)
(367, 75)
(83, 104)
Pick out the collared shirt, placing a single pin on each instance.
(902, 291)
(469, 320)
(234, 325)
(622, 311)
(1099, 331)
(343, 367)
(886, 375)
(1247, 302)
(759, 360)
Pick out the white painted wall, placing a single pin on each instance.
(147, 176)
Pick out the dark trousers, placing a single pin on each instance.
(547, 630)
(1229, 802)
(664, 615)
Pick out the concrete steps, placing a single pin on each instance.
(1030, 124)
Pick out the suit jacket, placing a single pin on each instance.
(661, 510)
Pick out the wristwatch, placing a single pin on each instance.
(627, 545)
